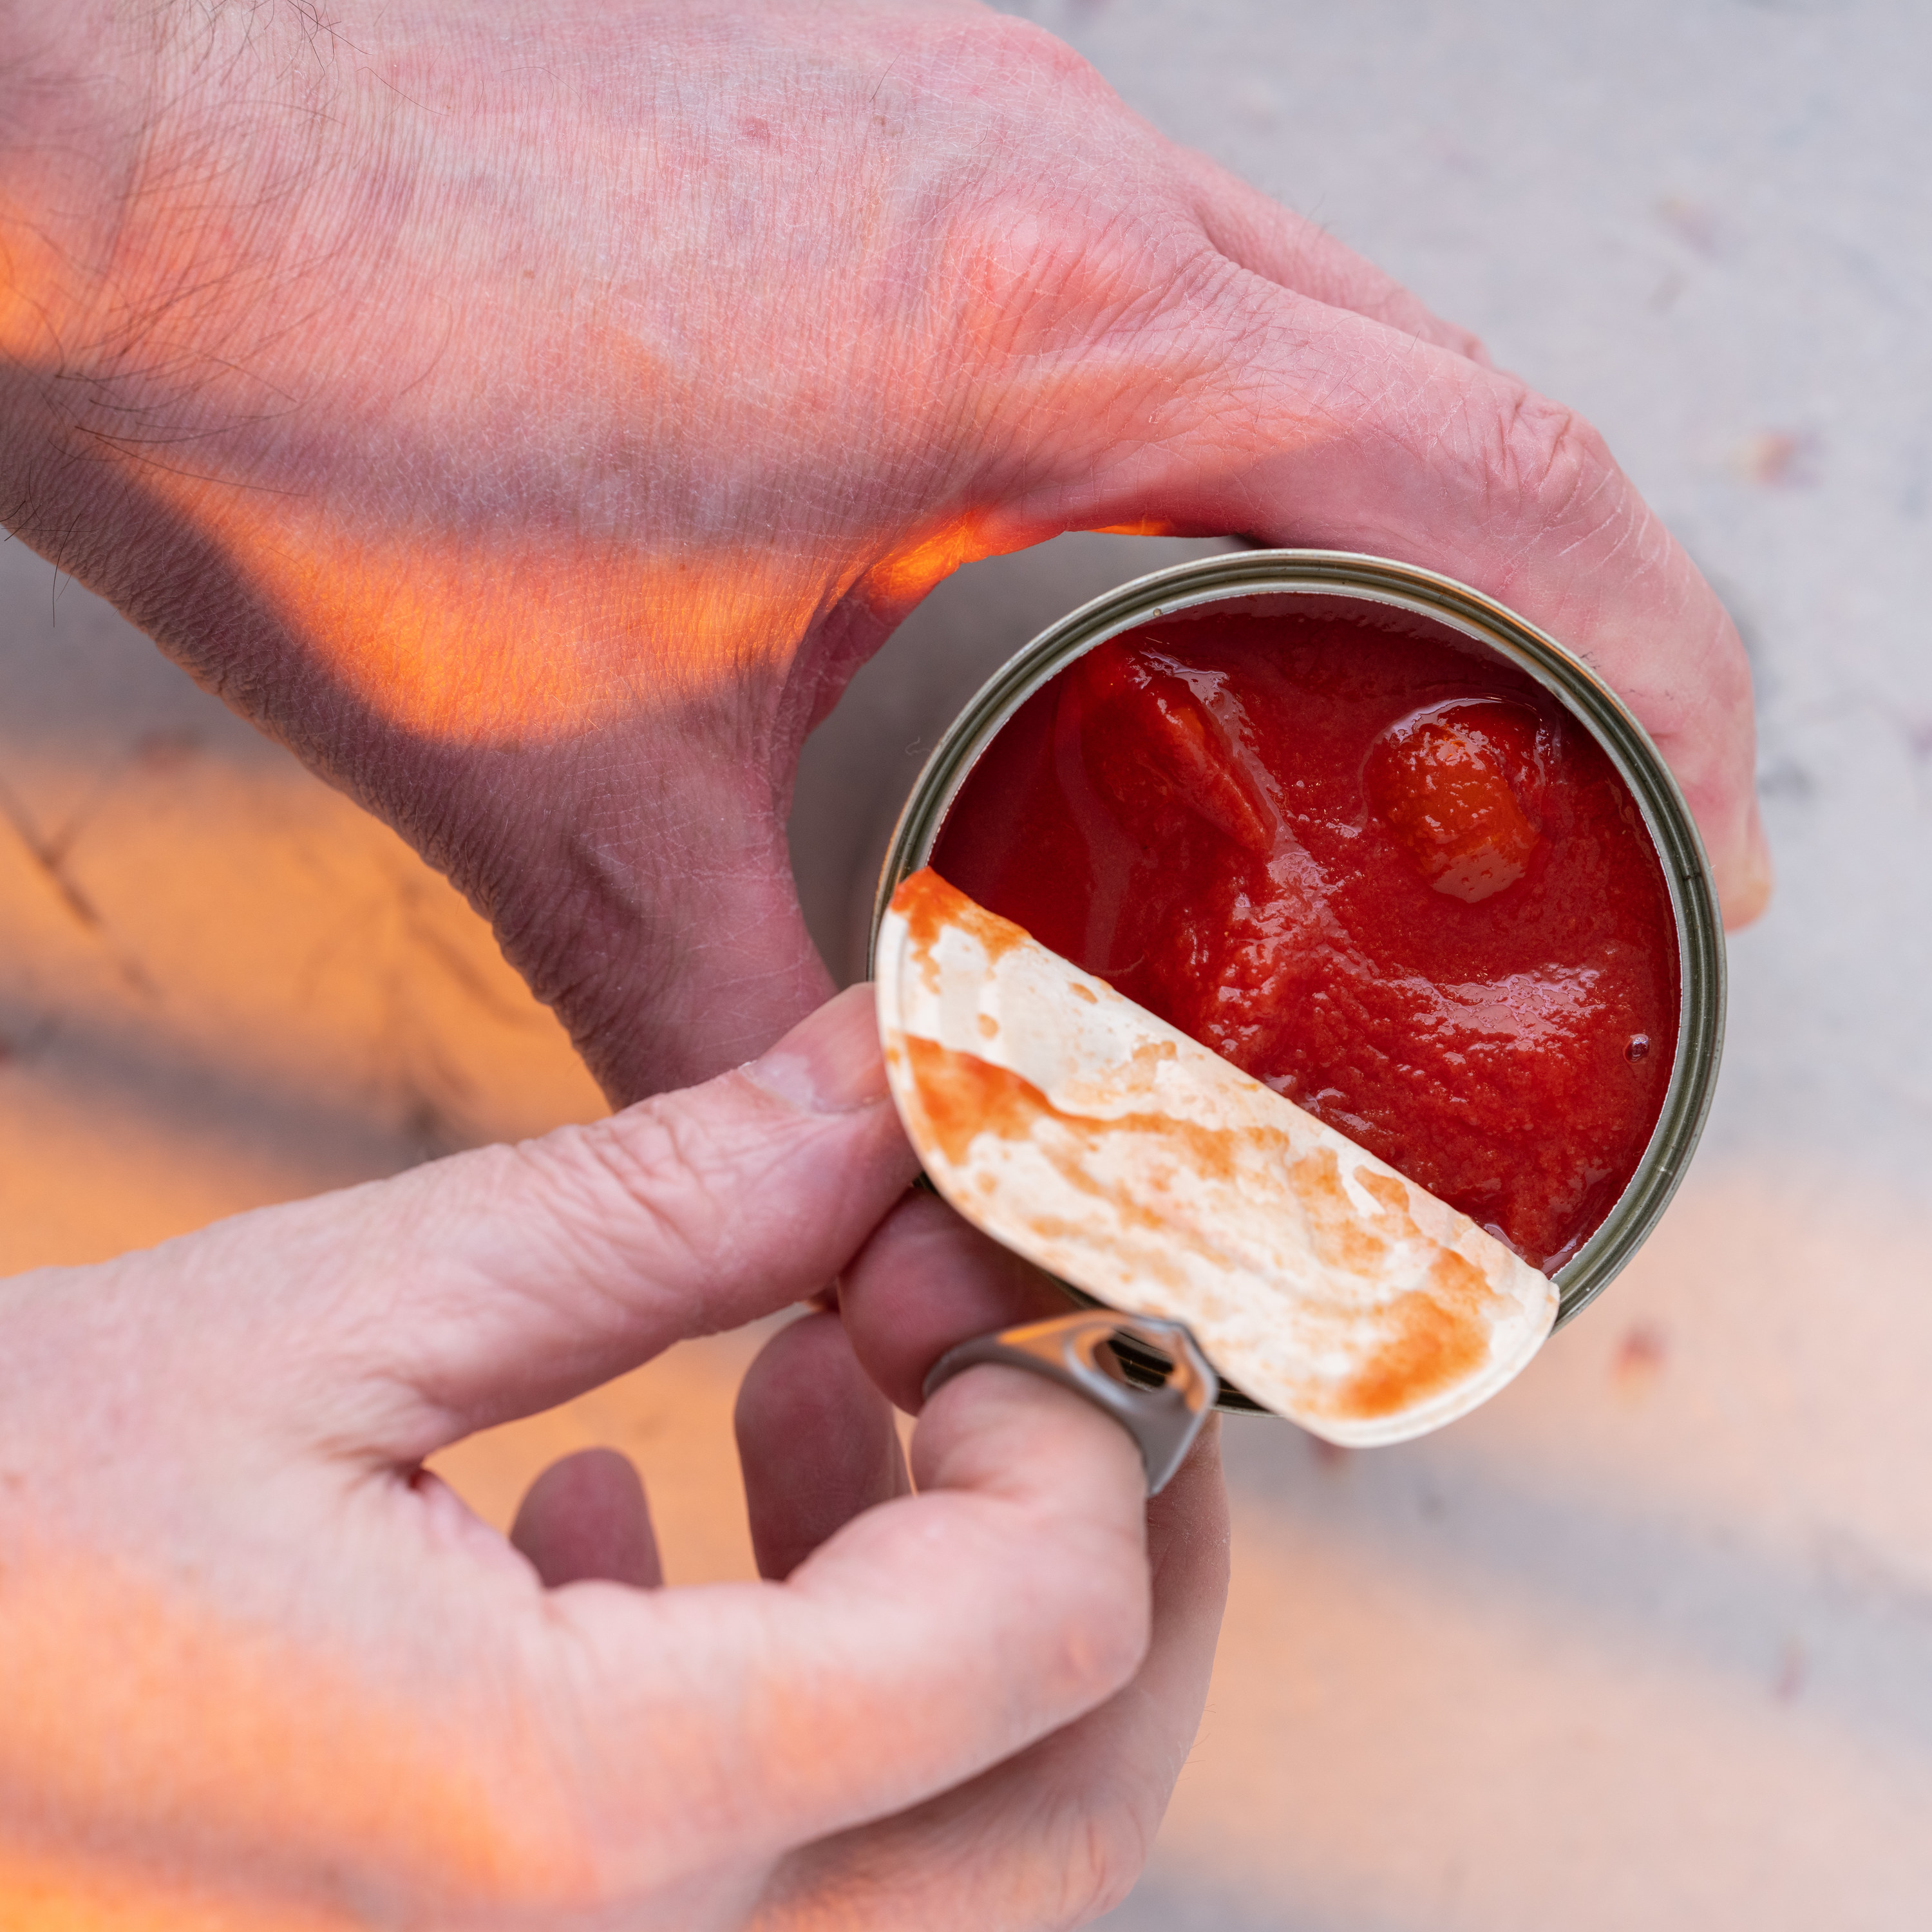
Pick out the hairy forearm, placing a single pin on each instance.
(111, 241)
(412, 385)
(155, 183)
(66, 158)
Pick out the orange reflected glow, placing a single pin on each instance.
(32, 271)
(278, 997)
(905, 575)
(522, 635)
(531, 636)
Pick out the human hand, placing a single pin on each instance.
(534, 415)
(259, 1671)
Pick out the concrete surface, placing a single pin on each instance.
(1648, 1641)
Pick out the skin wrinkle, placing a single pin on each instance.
(1617, 512)
(717, 1256)
(1628, 538)
(1440, 433)
(586, 1171)
(640, 1307)
(664, 1181)
(1543, 442)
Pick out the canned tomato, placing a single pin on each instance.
(1457, 706)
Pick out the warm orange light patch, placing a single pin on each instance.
(50, 1894)
(498, 635)
(907, 573)
(145, 1732)
(34, 297)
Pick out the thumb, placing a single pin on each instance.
(497, 1283)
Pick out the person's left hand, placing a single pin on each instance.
(259, 1672)
(534, 414)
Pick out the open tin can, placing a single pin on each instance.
(1288, 581)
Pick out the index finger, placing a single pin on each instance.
(1240, 405)
(406, 1313)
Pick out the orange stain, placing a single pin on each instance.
(1638, 1362)
(1335, 1231)
(931, 907)
(1437, 1340)
(963, 1096)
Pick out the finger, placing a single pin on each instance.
(930, 1638)
(1258, 410)
(586, 1517)
(925, 1280)
(1058, 1834)
(412, 1311)
(1254, 231)
(816, 1441)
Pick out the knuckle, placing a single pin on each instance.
(1043, 283)
(647, 1181)
(1018, 49)
(1546, 453)
(1106, 1634)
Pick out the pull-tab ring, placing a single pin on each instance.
(1163, 1421)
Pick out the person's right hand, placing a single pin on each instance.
(535, 413)
(259, 1672)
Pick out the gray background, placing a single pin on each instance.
(1649, 1640)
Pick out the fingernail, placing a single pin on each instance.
(829, 1063)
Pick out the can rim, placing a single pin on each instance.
(1429, 594)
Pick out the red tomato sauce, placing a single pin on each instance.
(1385, 874)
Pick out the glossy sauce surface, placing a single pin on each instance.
(1388, 876)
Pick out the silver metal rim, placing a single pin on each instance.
(1687, 870)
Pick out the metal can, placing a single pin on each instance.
(1277, 580)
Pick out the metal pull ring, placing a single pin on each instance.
(1163, 1420)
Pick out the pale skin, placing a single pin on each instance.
(532, 414)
